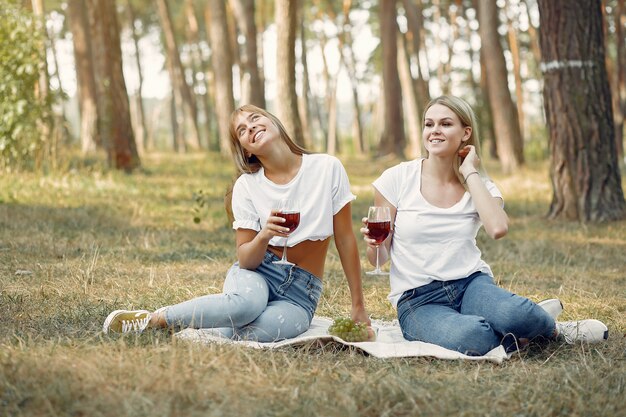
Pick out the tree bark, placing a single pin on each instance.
(85, 76)
(177, 76)
(286, 99)
(222, 61)
(392, 139)
(412, 111)
(244, 11)
(114, 123)
(584, 169)
(140, 128)
(505, 117)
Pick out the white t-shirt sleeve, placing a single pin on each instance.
(341, 193)
(388, 184)
(245, 214)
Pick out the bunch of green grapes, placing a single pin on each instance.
(348, 330)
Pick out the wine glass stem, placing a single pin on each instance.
(377, 267)
(285, 252)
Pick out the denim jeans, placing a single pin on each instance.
(273, 302)
(471, 315)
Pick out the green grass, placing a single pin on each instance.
(75, 246)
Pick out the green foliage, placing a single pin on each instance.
(20, 61)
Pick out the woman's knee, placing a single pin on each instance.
(278, 321)
(470, 335)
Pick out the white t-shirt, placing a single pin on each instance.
(429, 243)
(321, 186)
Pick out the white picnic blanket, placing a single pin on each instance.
(389, 342)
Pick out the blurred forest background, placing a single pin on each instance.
(106, 80)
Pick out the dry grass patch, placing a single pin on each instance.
(75, 246)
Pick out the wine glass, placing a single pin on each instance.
(379, 225)
(289, 210)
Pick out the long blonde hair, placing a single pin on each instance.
(245, 164)
(250, 164)
(467, 117)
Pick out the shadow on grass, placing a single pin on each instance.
(40, 232)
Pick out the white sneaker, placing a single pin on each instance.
(126, 321)
(552, 306)
(589, 331)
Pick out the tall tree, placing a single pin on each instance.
(505, 117)
(584, 169)
(392, 140)
(286, 98)
(85, 76)
(177, 76)
(114, 122)
(199, 83)
(244, 12)
(222, 60)
(140, 125)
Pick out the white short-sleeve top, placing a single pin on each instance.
(321, 186)
(429, 243)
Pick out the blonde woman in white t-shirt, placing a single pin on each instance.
(263, 300)
(444, 292)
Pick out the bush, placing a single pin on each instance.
(21, 113)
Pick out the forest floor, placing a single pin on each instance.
(75, 246)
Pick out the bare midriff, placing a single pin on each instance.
(309, 255)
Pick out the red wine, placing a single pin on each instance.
(292, 220)
(379, 230)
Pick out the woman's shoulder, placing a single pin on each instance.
(405, 168)
(322, 160)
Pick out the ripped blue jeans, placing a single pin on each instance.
(273, 302)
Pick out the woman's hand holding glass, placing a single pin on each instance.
(376, 230)
(286, 218)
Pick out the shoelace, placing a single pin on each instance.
(135, 325)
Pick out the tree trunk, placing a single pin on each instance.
(505, 117)
(85, 76)
(415, 24)
(286, 99)
(222, 60)
(199, 83)
(303, 103)
(620, 77)
(43, 86)
(392, 139)
(114, 122)
(140, 128)
(177, 76)
(519, 94)
(331, 100)
(412, 112)
(347, 56)
(244, 11)
(584, 170)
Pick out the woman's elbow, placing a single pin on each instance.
(498, 231)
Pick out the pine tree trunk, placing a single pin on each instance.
(392, 139)
(177, 76)
(286, 99)
(584, 169)
(114, 123)
(222, 62)
(141, 134)
(505, 117)
(244, 11)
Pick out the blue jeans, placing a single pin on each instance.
(471, 315)
(273, 302)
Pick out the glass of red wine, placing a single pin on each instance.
(379, 225)
(289, 210)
